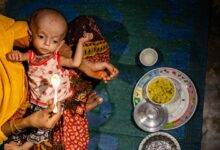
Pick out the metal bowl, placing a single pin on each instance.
(150, 117)
(159, 141)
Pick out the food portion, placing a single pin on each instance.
(160, 90)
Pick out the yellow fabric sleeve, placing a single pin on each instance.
(20, 28)
(12, 81)
(3, 137)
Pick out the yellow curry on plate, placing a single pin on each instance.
(160, 90)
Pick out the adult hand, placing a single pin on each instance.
(99, 70)
(45, 118)
(110, 70)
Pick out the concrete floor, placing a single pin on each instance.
(211, 114)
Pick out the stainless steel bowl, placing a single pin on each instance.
(150, 117)
(159, 141)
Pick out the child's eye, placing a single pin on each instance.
(55, 42)
(40, 36)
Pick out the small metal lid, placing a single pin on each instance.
(150, 117)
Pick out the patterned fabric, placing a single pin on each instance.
(95, 50)
(71, 132)
(41, 70)
(33, 135)
(38, 135)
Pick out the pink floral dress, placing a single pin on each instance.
(40, 71)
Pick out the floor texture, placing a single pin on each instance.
(211, 114)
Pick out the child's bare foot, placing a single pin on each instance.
(12, 146)
(93, 100)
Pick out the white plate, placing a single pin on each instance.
(184, 107)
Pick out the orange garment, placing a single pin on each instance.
(12, 75)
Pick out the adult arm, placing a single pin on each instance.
(94, 70)
(41, 119)
(99, 70)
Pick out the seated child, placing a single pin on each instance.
(48, 29)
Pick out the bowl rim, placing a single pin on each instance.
(153, 79)
(171, 137)
(149, 50)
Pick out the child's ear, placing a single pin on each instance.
(30, 35)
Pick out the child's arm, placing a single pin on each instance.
(17, 56)
(76, 61)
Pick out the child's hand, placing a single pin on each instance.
(86, 37)
(15, 56)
